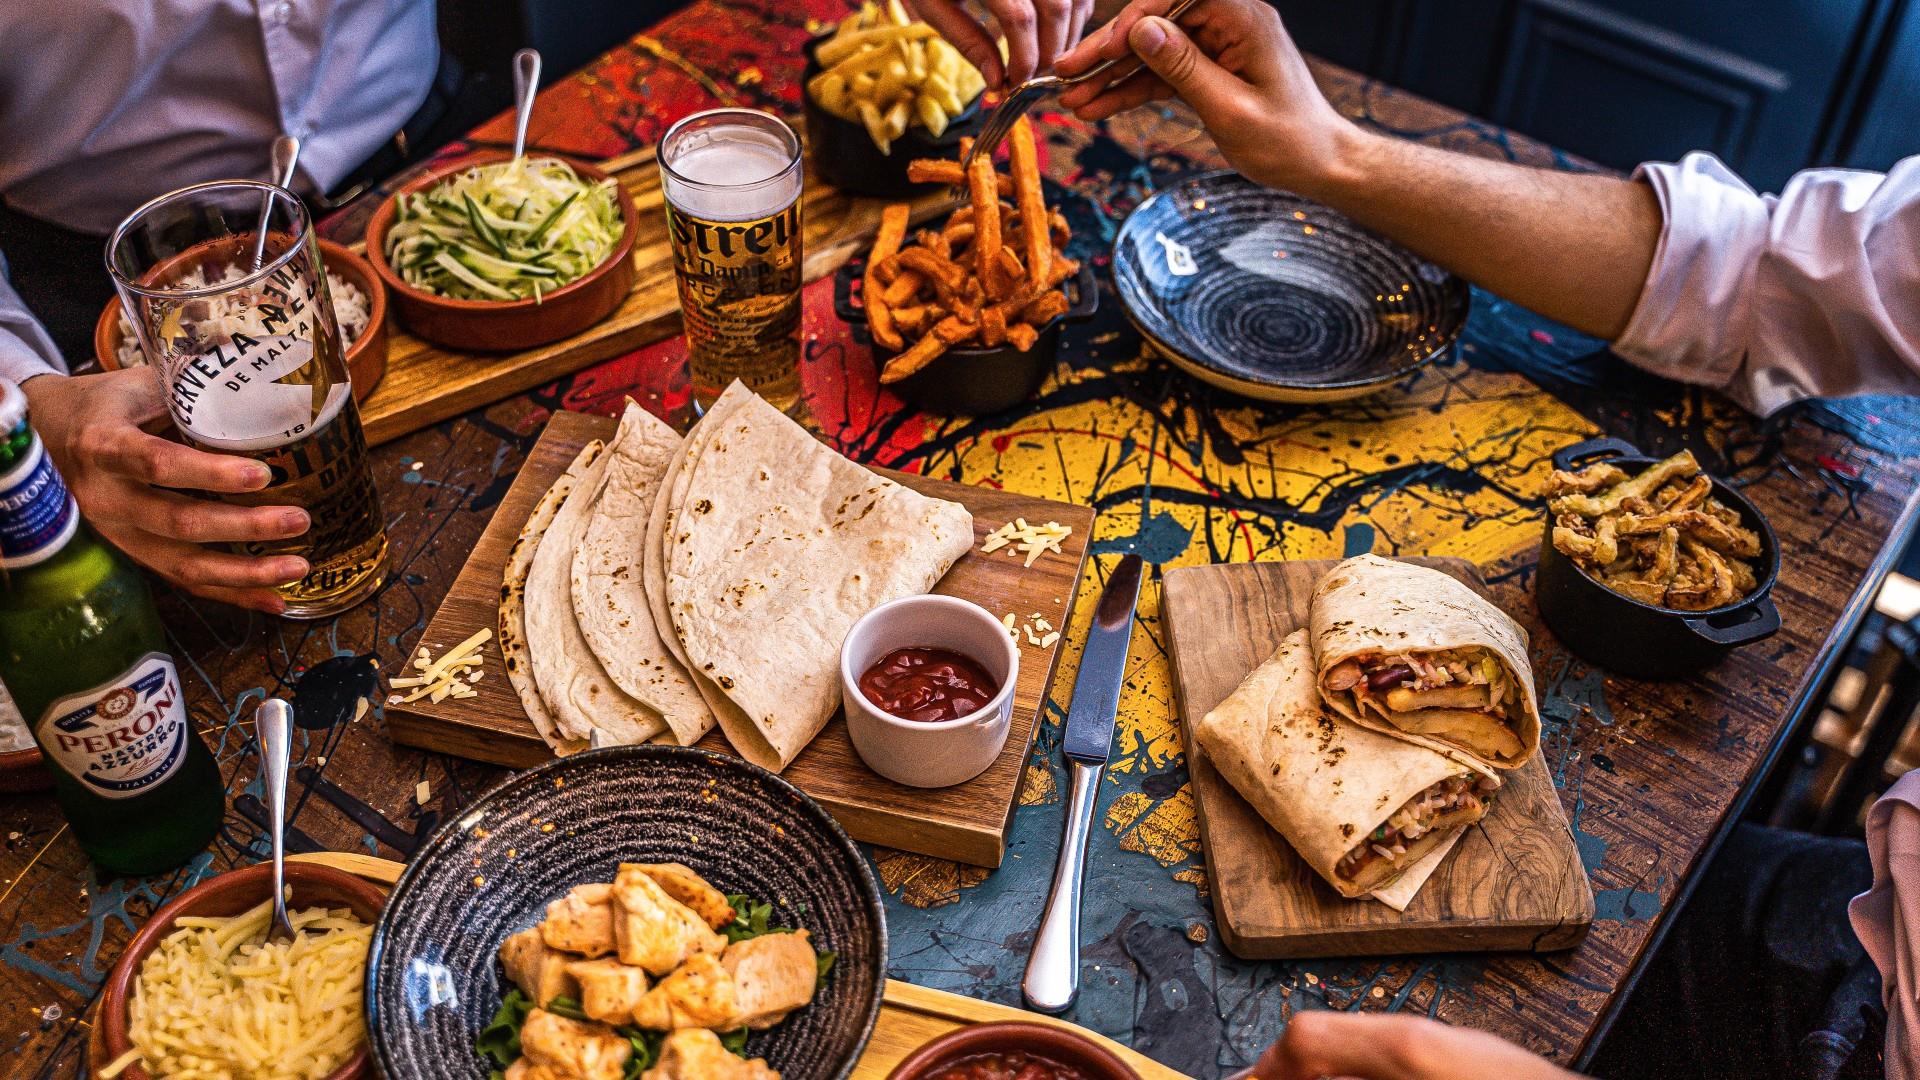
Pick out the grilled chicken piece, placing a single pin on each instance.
(581, 921)
(683, 884)
(696, 1054)
(525, 1069)
(755, 984)
(609, 989)
(652, 929)
(538, 970)
(774, 975)
(572, 1049)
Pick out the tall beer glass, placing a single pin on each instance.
(250, 362)
(732, 181)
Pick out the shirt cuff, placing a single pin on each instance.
(1695, 312)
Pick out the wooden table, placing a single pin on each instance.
(1452, 462)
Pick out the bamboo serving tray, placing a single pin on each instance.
(426, 383)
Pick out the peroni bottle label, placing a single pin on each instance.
(37, 514)
(123, 737)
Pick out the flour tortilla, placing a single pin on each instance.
(654, 571)
(574, 686)
(513, 591)
(609, 590)
(1322, 783)
(1368, 605)
(777, 546)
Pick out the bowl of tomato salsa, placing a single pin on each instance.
(1013, 1051)
(928, 686)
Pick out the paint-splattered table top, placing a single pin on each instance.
(1451, 462)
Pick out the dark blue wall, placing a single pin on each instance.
(1770, 85)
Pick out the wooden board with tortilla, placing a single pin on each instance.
(1513, 880)
(966, 822)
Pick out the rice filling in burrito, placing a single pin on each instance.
(1459, 695)
(1453, 802)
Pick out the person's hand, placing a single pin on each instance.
(1037, 32)
(1234, 63)
(91, 427)
(1377, 1046)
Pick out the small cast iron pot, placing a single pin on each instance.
(1647, 641)
(845, 157)
(973, 380)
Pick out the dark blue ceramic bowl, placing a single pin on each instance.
(432, 978)
(1277, 298)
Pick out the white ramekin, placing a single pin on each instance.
(945, 752)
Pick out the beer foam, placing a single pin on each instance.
(731, 173)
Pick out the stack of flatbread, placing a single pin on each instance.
(1377, 733)
(663, 585)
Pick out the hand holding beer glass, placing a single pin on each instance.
(250, 362)
(732, 181)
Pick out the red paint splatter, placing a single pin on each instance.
(1833, 464)
(1541, 336)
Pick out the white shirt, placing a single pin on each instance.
(1814, 292)
(105, 104)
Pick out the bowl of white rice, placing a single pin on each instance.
(359, 306)
(201, 992)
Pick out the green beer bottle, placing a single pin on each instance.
(82, 651)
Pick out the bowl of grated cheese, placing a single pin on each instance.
(200, 992)
(359, 307)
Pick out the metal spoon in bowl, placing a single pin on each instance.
(286, 155)
(526, 84)
(273, 729)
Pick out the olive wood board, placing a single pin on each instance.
(1513, 882)
(426, 383)
(910, 1015)
(967, 822)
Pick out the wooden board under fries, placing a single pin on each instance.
(1514, 881)
(967, 822)
(426, 384)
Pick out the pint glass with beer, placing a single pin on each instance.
(732, 181)
(244, 342)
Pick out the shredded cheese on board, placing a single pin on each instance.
(217, 1001)
(1020, 538)
(441, 679)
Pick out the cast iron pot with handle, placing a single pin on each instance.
(971, 380)
(1647, 641)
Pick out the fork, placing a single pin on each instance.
(1015, 105)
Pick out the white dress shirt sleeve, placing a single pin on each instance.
(25, 348)
(1814, 292)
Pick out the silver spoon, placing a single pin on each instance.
(526, 84)
(286, 156)
(273, 727)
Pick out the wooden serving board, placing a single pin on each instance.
(426, 384)
(967, 822)
(910, 1016)
(1514, 881)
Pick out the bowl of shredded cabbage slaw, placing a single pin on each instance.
(494, 253)
(359, 307)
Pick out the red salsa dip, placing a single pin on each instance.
(927, 684)
(1016, 1065)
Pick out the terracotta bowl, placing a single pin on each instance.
(230, 894)
(366, 358)
(1064, 1046)
(24, 770)
(505, 325)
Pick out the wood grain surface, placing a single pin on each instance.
(967, 822)
(1514, 881)
(426, 383)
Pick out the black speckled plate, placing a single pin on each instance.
(433, 980)
(1278, 298)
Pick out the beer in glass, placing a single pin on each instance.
(732, 181)
(250, 362)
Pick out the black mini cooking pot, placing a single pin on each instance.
(1648, 641)
(972, 380)
(845, 157)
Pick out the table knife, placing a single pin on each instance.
(1053, 968)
